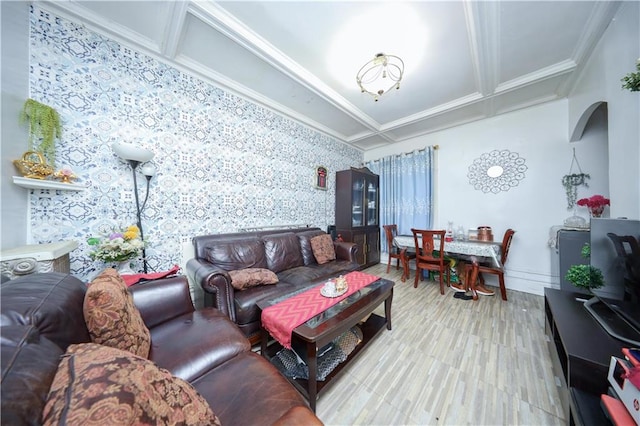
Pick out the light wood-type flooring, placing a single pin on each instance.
(449, 361)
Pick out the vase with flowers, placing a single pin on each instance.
(595, 204)
(118, 246)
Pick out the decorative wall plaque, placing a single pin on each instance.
(321, 177)
(497, 171)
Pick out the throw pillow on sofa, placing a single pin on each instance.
(323, 249)
(101, 385)
(250, 277)
(112, 318)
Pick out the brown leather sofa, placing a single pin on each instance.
(41, 315)
(286, 252)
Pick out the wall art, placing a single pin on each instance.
(321, 177)
(496, 171)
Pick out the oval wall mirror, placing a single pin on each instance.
(495, 171)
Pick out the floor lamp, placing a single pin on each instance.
(135, 155)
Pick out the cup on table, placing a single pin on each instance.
(330, 286)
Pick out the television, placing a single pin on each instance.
(615, 250)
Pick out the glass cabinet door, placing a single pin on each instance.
(372, 203)
(358, 202)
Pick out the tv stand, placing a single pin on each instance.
(580, 348)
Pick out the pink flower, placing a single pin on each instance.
(115, 235)
(595, 201)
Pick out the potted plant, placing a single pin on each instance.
(586, 277)
(571, 182)
(44, 128)
(631, 81)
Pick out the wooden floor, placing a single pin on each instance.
(449, 361)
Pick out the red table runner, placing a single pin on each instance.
(280, 319)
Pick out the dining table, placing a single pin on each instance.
(472, 251)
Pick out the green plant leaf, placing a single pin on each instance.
(44, 128)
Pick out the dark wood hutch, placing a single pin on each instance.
(358, 212)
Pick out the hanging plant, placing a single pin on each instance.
(44, 128)
(571, 183)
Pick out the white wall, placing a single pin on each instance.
(614, 57)
(538, 135)
(15, 90)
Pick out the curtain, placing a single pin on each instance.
(406, 191)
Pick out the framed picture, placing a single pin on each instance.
(321, 177)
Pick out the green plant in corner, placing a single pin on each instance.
(631, 81)
(44, 128)
(585, 276)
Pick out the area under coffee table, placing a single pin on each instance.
(326, 326)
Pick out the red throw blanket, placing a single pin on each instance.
(280, 319)
(132, 279)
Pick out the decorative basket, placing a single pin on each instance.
(33, 165)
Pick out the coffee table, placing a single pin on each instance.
(326, 326)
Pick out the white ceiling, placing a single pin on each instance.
(469, 60)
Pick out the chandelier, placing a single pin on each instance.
(380, 75)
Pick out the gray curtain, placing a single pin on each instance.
(406, 190)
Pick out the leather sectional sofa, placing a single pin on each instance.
(286, 252)
(42, 315)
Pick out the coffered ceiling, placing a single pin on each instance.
(465, 60)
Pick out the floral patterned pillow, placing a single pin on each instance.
(323, 249)
(96, 384)
(242, 279)
(112, 318)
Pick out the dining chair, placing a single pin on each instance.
(425, 257)
(504, 252)
(628, 251)
(395, 252)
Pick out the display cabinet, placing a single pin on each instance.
(358, 212)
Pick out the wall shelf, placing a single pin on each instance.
(46, 184)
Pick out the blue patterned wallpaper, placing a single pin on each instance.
(223, 163)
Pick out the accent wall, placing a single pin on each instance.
(223, 163)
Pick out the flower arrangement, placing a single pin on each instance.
(595, 204)
(631, 81)
(117, 246)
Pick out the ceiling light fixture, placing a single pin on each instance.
(381, 74)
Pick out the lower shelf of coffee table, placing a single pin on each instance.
(370, 329)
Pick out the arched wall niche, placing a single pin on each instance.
(578, 130)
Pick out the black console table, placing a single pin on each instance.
(580, 348)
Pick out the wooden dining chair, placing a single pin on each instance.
(628, 250)
(484, 269)
(425, 257)
(395, 252)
